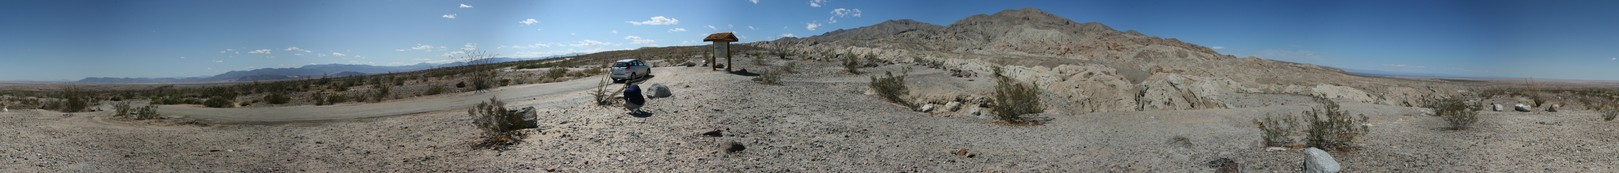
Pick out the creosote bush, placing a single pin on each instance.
(851, 64)
(123, 109)
(1610, 114)
(1332, 128)
(1278, 130)
(1013, 99)
(1456, 111)
(891, 88)
(495, 124)
(769, 77)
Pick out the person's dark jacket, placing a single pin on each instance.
(632, 94)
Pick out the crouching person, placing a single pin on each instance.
(633, 99)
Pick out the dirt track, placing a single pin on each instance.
(454, 101)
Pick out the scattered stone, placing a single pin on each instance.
(1521, 108)
(1552, 108)
(715, 133)
(963, 152)
(1275, 149)
(734, 147)
(1225, 165)
(659, 91)
(952, 106)
(1495, 107)
(926, 108)
(1318, 161)
(1181, 141)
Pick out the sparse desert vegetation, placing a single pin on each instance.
(1064, 96)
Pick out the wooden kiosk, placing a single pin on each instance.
(722, 48)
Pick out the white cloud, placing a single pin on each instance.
(296, 49)
(465, 6)
(678, 30)
(448, 16)
(811, 26)
(788, 35)
(340, 54)
(1613, 59)
(754, 1)
(529, 21)
(615, 31)
(1217, 47)
(419, 46)
(752, 28)
(638, 40)
(453, 53)
(711, 27)
(817, 3)
(589, 43)
(260, 51)
(842, 13)
(232, 51)
(219, 61)
(730, 26)
(657, 20)
(469, 47)
(182, 57)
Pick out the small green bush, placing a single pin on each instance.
(851, 64)
(435, 90)
(219, 102)
(276, 98)
(1278, 130)
(556, 73)
(891, 88)
(1610, 114)
(1332, 128)
(495, 124)
(1456, 111)
(1014, 99)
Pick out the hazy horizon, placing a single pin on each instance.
(62, 41)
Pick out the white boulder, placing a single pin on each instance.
(1521, 108)
(1318, 161)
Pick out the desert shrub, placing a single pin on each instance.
(769, 77)
(74, 100)
(276, 98)
(336, 98)
(462, 84)
(1013, 99)
(435, 90)
(1537, 99)
(555, 73)
(851, 65)
(1332, 128)
(320, 98)
(120, 109)
(891, 88)
(1610, 114)
(788, 69)
(1456, 111)
(1278, 130)
(219, 102)
(381, 92)
(145, 112)
(495, 124)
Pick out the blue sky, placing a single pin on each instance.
(68, 40)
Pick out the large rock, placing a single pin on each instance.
(658, 91)
(1495, 107)
(1521, 108)
(952, 106)
(1169, 91)
(1552, 108)
(926, 108)
(1318, 161)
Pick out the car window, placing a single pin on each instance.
(621, 64)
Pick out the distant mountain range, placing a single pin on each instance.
(307, 71)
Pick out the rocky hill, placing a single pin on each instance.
(1102, 69)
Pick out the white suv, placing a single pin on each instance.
(627, 69)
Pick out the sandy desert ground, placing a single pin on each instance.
(818, 120)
